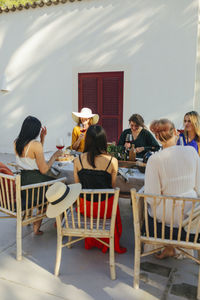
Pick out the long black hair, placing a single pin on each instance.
(95, 143)
(29, 131)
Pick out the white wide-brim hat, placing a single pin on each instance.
(60, 197)
(87, 114)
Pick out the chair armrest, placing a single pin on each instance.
(40, 184)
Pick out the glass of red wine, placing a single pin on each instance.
(82, 129)
(60, 143)
(180, 129)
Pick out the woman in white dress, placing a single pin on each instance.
(175, 170)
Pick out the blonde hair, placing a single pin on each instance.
(163, 129)
(195, 121)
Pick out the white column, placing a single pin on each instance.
(197, 75)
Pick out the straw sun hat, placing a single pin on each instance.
(60, 197)
(87, 114)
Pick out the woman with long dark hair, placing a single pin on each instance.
(95, 169)
(30, 157)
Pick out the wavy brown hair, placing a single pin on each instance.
(163, 129)
(137, 119)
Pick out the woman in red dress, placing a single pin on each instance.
(95, 169)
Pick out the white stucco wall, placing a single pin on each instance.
(43, 49)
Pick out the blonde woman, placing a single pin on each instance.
(191, 134)
(172, 171)
(84, 119)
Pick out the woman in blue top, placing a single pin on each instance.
(191, 134)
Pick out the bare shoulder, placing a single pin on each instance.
(36, 145)
(36, 148)
(114, 161)
(77, 160)
(114, 164)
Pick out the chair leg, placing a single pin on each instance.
(137, 267)
(58, 254)
(69, 240)
(19, 239)
(198, 287)
(112, 259)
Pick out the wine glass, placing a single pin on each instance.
(82, 128)
(60, 143)
(180, 128)
(129, 138)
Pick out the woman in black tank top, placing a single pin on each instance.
(95, 169)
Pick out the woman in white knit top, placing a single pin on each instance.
(173, 171)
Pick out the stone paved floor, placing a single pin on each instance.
(85, 274)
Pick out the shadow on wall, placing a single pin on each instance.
(41, 46)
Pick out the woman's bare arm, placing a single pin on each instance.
(43, 166)
(76, 178)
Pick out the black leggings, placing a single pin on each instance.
(31, 177)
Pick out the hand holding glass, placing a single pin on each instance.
(82, 130)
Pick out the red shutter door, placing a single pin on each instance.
(103, 93)
(88, 95)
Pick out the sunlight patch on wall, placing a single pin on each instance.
(13, 116)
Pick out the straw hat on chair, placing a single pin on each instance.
(60, 197)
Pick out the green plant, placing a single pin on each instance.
(117, 151)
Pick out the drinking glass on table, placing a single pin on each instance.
(60, 143)
(180, 138)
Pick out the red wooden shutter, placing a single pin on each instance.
(89, 94)
(103, 93)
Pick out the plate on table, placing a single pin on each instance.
(65, 158)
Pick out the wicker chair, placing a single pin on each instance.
(75, 224)
(185, 239)
(11, 206)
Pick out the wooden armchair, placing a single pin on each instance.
(178, 238)
(80, 226)
(11, 204)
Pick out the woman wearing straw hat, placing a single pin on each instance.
(84, 119)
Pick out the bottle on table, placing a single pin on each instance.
(132, 153)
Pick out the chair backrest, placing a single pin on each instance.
(11, 194)
(7, 192)
(93, 211)
(180, 214)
